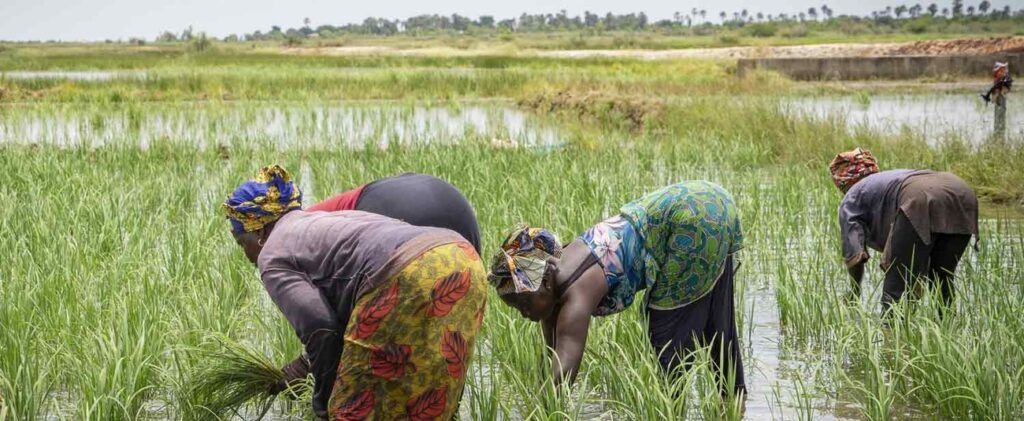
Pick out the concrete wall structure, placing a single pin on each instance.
(894, 67)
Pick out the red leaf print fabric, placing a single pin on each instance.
(390, 361)
(480, 316)
(468, 249)
(356, 408)
(369, 318)
(429, 405)
(448, 291)
(453, 348)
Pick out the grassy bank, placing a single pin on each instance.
(177, 74)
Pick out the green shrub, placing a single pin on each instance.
(292, 41)
(798, 31)
(200, 43)
(762, 30)
(917, 26)
(704, 30)
(728, 39)
(854, 28)
(625, 41)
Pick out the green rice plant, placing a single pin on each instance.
(803, 407)
(229, 375)
(484, 392)
(26, 377)
(640, 389)
(550, 402)
(877, 388)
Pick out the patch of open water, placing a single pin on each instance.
(349, 126)
(937, 117)
(82, 75)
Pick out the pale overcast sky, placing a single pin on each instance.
(119, 19)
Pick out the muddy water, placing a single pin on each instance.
(937, 117)
(351, 126)
(772, 368)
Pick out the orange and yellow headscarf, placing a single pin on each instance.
(522, 259)
(849, 167)
(263, 200)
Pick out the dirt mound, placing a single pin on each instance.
(970, 46)
(629, 112)
(973, 46)
(976, 46)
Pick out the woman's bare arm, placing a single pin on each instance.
(573, 323)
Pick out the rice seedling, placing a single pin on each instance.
(228, 376)
(484, 394)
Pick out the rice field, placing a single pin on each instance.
(120, 273)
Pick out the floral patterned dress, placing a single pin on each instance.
(409, 343)
(673, 241)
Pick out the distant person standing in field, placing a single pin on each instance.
(387, 311)
(677, 242)
(418, 199)
(921, 221)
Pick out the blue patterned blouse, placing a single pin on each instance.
(618, 249)
(673, 241)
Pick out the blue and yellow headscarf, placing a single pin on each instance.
(522, 259)
(263, 200)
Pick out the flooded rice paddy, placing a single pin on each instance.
(329, 126)
(935, 117)
(156, 251)
(83, 75)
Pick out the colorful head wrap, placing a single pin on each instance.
(263, 200)
(522, 259)
(1000, 69)
(850, 167)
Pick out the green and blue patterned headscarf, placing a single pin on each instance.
(263, 200)
(520, 262)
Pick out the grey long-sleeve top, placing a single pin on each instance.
(867, 212)
(315, 266)
(934, 202)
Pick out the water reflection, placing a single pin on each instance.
(937, 117)
(352, 126)
(86, 75)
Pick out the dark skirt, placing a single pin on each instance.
(913, 259)
(422, 200)
(710, 320)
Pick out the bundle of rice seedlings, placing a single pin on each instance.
(227, 377)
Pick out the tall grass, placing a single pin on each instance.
(252, 76)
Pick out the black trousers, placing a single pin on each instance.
(710, 320)
(422, 200)
(913, 260)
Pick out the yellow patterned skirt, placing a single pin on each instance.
(409, 341)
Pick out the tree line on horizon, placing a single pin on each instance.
(914, 18)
